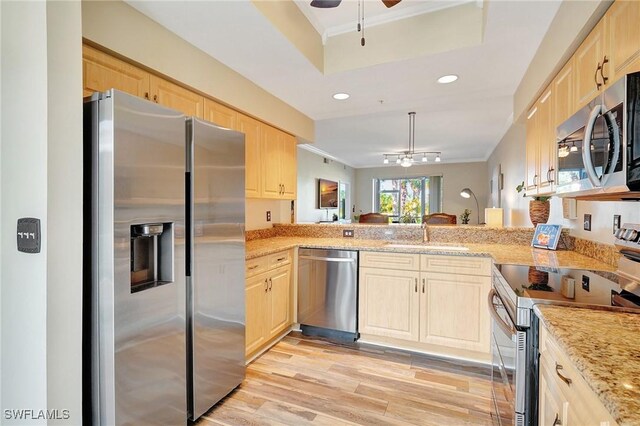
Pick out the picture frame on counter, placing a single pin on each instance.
(546, 236)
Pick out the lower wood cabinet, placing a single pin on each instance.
(432, 311)
(389, 303)
(268, 307)
(565, 398)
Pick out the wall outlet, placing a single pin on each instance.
(268, 215)
(347, 233)
(616, 223)
(587, 222)
(585, 283)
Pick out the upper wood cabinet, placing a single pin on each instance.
(270, 154)
(540, 146)
(101, 72)
(220, 115)
(252, 176)
(279, 170)
(623, 41)
(176, 97)
(588, 64)
(563, 97)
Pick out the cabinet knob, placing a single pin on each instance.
(146, 95)
(549, 179)
(155, 98)
(535, 180)
(270, 284)
(416, 289)
(266, 285)
(423, 284)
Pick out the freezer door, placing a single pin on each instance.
(216, 285)
(138, 263)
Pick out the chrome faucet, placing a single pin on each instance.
(425, 232)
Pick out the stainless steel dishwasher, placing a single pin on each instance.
(328, 293)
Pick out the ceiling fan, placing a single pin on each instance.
(327, 4)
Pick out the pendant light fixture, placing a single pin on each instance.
(406, 158)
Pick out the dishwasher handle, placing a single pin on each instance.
(329, 259)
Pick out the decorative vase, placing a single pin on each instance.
(538, 211)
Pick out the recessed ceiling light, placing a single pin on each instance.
(447, 79)
(341, 96)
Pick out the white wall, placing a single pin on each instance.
(256, 213)
(24, 194)
(64, 209)
(455, 177)
(312, 167)
(41, 176)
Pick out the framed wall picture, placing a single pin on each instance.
(546, 236)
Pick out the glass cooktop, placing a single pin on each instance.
(525, 286)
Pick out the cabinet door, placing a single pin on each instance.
(270, 152)
(252, 130)
(176, 97)
(288, 168)
(546, 142)
(219, 114)
(389, 303)
(279, 313)
(101, 72)
(553, 407)
(453, 311)
(563, 98)
(623, 30)
(256, 296)
(587, 57)
(531, 152)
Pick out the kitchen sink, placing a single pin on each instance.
(428, 247)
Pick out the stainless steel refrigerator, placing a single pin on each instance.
(164, 262)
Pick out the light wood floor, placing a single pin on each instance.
(304, 380)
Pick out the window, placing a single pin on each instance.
(406, 200)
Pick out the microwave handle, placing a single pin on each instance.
(614, 129)
(586, 147)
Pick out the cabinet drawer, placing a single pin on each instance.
(277, 260)
(256, 266)
(456, 265)
(402, 261)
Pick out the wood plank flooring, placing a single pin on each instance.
(310, 381)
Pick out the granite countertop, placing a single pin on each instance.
(605, 349)
(501, 253)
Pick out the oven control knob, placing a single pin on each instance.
(632, 237)
(629, 234)
(620, 232)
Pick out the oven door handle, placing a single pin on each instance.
(508, 329)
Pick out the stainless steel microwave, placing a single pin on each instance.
(598, 148)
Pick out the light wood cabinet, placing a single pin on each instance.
(426, 302)
(541, 146)
(563, 97)
(563, 392)
(270, 154)
(279, 164)
(219, 114)
(252, 176)
(453, 310)
(588, 62)
(623, 41)
(101, 72)
(175, 97)
(389, 303)
(268, 307)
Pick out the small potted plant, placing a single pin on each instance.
(538, 207)
(464, 217)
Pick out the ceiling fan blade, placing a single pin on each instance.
(326, 4)
(391, 3)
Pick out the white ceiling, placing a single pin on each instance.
(465, 120)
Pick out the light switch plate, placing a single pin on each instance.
(616, 223)
(268, 215)
(587, 222)
(28, 235)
